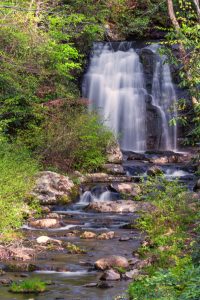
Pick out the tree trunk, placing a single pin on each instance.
(197, 5)
(183, 54)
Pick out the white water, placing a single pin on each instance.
(88, 197)
(115, 86)
(164, 98)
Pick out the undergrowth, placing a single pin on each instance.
(170, 231)
(16, 179)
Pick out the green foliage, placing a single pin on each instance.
(168, 242)
(178, 283)
(73, 138)
(33, 285)
(189, 64)
(16, 178)
(74, 249)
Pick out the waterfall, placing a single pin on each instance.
(164, 98)
(115, 85)
(116, 88)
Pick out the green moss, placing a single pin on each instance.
(74, 249)
(34, 285)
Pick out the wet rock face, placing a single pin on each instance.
(111, 262)
(154, 125)
(52, 188)
(45, 223)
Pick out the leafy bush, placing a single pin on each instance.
(16, 178)
(33, 285)
(73, 138)
(179, 283)
(169, 243)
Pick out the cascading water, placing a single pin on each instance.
(115, 85)
(164, 98)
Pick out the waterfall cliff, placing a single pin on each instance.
(136, 103)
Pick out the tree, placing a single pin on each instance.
(183, 52)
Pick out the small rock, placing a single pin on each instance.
(46, 240)
(154, 171)
(104, 285)
(23, 275)
(111, 261)
(124, 238)
(129, 188)
(5, 281)
(88, 235)
(132, 274)
(53, 216)
(45, 223)
(110, 275)
(106, 235)
(92, 284)
(114, 169)
(134, 261)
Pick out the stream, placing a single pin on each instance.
(71, 272)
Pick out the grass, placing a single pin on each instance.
(16, 179)
(173, 275)
(34, 285)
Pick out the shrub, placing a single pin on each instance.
(16, 178)
(74, 139)
(169, 243)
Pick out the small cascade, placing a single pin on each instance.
(98, 194)
(86, 198)
(118, 85)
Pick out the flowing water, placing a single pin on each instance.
(115, 85)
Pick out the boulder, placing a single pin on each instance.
(132, 274)
(88, 235)
(111, 261)
(103, 177)
(45, 223)
(114, 154)
(110, 275)
(52, 188)
(129, 188)
(154, 171)
(115, 169)
(197, 186)
(135, 156)
(120, 206)
(106, 235)
(44, 240)
(16, 253)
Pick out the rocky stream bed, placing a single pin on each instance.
(83, 248)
